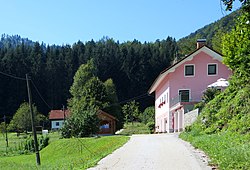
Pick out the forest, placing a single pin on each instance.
(132, 65)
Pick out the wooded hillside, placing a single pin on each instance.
(133, 66)
(212, 33)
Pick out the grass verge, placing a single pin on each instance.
(135, 128)
(75, 153)
(226, 150)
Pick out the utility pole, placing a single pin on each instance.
(63, 113)
(6, 133)
(32, 121)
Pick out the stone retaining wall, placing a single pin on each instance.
(190, 117)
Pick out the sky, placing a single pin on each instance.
(63, 22)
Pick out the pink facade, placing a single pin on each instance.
(176, 93)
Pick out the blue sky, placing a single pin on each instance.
(67, 21)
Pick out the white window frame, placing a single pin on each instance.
(185, 70)
(216, 69)
(189, 96)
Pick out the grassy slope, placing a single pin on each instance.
(226, 150)
(67, 154)
(225, 133)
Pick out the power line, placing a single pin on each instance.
(12, 76)
(41, 95)
(134, 98)
(20, 78)
(128, 100)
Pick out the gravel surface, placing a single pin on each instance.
(155, 152)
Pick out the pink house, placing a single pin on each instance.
(181, 86)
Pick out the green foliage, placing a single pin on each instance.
(82, 153)
(207, 96)
(81, 124)
(2, 128)
(151, 126)
(89, 95)
(236, 47)
(27, 146)
(226, 150)
(226, 108)
(84, 73)
(131, 111)
(114, 108)
(229, 4)
(22, 120)
(148, 115)
(135, 128)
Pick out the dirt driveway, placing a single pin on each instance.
(154, 152)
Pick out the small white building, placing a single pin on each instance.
(57, 118)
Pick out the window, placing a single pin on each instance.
(57, 123)
(189, 70)
(212, 69)
(184, 95)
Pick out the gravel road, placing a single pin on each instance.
(154, 152)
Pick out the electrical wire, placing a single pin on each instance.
(12, 76)
(131, 99)
(41, 95)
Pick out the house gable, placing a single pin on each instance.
(215, 55)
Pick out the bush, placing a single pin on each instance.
(151, 126)
(148, 115)
(83, 124)
(28, 144)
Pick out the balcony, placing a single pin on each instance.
(183, 100)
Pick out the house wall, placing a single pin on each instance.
(54, 124)
(199, 82)
(162, 108)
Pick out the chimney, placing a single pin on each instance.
(201, 43)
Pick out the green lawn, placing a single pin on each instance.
(77, 153)
(226, 150)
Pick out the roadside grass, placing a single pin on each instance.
(135, 128)
(15, 142)
(226, 150)
(74, 153)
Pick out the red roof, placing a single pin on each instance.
(58, 114)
